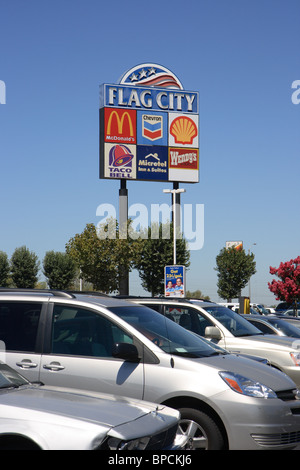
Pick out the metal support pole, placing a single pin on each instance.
(123, 218)
(176, 214)
(176, 207)
(174, 227)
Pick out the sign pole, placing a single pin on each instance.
(176, 209)
(123, 219)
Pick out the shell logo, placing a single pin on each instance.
(184, 130)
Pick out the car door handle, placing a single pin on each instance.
(26, 364)
(53, 366)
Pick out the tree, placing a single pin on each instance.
(100, 254)
(24, 268)
(288, 288)
(197, 294)
(4, 269)
(235, 268)
(156, 253)
(60, 269)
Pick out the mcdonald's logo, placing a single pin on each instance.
(120, 125)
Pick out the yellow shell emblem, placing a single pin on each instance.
(183, 129)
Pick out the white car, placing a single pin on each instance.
(38, 417)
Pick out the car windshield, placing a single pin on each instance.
(10, 378)
(165, 333)
(285, 327)
(232, 321)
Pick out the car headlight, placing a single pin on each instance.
(246, 386)
(295, 358)
(135, 444)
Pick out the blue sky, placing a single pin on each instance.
(242, 56)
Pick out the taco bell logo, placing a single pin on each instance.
(120, 155)
(2, 92)
(120, 160)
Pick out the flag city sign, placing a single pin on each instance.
(151, 118)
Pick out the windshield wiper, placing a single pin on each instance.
(249, 334)
(184, 354)
(9, 386)
(218, 353)
(197, 355)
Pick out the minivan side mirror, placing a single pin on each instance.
(125, 351)
(213, 332)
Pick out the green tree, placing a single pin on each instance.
(197, 294)
(235, 268)
(24, 268)
(4, 269)
(155, 253)
(60, 269)
(100, 254)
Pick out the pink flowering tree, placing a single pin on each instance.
(288, 287)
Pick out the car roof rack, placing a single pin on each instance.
(124, 296)
(161, 297)
(88, 292)
(54, 292)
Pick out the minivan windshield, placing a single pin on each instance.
(165, 333)
(233, 322)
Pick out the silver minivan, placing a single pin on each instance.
(115, 346)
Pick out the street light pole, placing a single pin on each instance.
(174, 192)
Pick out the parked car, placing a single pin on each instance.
(254, 308)
(119, 347)
(39, 417)
(270, 311)
(289, 313)
(291, 319)
(272, 325)
(231, 331)
(282, 307)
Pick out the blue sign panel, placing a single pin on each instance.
(152, 163)
(152, 128)
(159, 99)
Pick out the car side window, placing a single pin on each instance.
(188, 318)
(19, 325)
(81, 332)
(266, 329)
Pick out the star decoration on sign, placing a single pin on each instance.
(142, 74)
(151, 71)
(133, 77)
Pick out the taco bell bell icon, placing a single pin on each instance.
(120, 161)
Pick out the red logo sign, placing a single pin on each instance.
(120, 125)
(182, 158)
